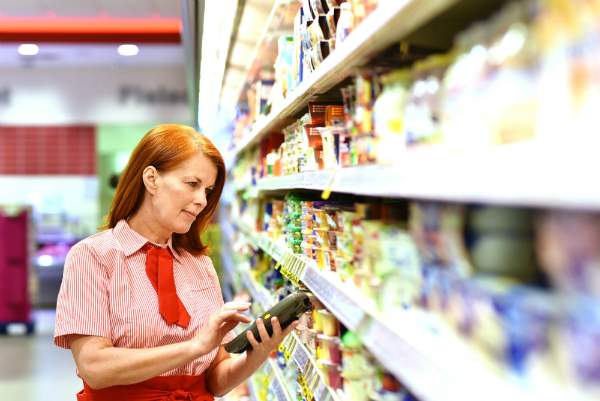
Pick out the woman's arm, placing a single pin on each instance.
(101, 365)
(226, 373)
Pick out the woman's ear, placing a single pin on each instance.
(150, 177)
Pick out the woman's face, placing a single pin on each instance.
(181, 193)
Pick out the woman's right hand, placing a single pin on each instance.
(219, 324)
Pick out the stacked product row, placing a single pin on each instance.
(342, 362)
(521, 286)
(318, 26)
(530, 73)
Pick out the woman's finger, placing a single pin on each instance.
(276, 327)
(238, 317)
(262, 330)
(251, 339)
(227, 327)
(224, 315)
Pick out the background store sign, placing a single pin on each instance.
(160, 95)
(93, 95)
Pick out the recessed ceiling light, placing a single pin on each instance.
(28, 49)
(128, 50)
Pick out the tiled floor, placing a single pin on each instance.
(33, 369)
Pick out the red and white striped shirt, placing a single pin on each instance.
(105, 292)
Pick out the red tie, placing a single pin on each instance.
(159, 268)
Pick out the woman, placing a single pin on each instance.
(140, 305)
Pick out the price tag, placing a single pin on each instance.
(312, 387)
(279, 391)
(294, 267)
(307, 393)
(310, 374)
(285, 263)
(301, 358)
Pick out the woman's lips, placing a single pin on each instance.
(190, 214)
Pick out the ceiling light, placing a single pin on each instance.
(128, 50)
(28, 49)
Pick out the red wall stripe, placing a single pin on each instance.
(48, 150)
(90, 30)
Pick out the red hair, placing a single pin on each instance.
(165, 147)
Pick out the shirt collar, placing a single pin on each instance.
(131, 241)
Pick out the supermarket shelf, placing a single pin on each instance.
(301, 356)
(349, 306)
(278, 386)
(419, 348)
(388, 24)
(303, 359)
(525, 174)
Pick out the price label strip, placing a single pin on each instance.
(279, 391)
(301, 358)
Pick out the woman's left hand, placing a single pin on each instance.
(267, 344)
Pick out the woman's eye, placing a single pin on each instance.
(192, 184)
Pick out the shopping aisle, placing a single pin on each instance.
(422, 171)
(33, 369)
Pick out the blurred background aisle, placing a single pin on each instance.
(80, 83)
(33, 368)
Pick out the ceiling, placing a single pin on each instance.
(87, 32)
(64, 55)
(90, 8)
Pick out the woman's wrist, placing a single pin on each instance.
(257, 358)
(196, 348)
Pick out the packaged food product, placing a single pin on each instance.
(502, 242)
(329, 324)
(438, 231)
(329, 348)
(345, 22)
(568, 248)
(389, 116)
(578, 343)
(332, 372)
(423, 105)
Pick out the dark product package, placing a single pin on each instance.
(286, 311)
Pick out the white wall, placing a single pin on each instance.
(70, 202)
(91, 95)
